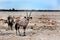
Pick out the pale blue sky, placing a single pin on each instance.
(30, 4)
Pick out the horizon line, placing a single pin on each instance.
(29, 10)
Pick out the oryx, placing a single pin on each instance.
(10, 22)
(22, 23)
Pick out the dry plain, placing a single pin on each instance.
(42, 26)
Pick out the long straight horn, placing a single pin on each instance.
(30, 14)
(26, 13)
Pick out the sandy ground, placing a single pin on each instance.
(31, 34)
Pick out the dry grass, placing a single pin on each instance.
(39, 31)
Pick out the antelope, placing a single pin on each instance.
(22, 23)
(10, 22)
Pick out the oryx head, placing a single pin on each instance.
(28, 15)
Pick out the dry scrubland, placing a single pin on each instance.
(43, 26)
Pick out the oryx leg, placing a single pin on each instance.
(17, 29)
(19, 32)
(11, 27)
(24, 31)
(16, 32)
(8, 28)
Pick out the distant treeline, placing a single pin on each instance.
(30, 10)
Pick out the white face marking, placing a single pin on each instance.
(10, 20)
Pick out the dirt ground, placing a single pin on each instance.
(36, 30)
(30, 35)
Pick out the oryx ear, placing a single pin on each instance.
(24, 17)
(30, 17)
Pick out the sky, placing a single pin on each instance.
(30, 4)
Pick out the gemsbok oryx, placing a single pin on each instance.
(22, 23)
(10, 22)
